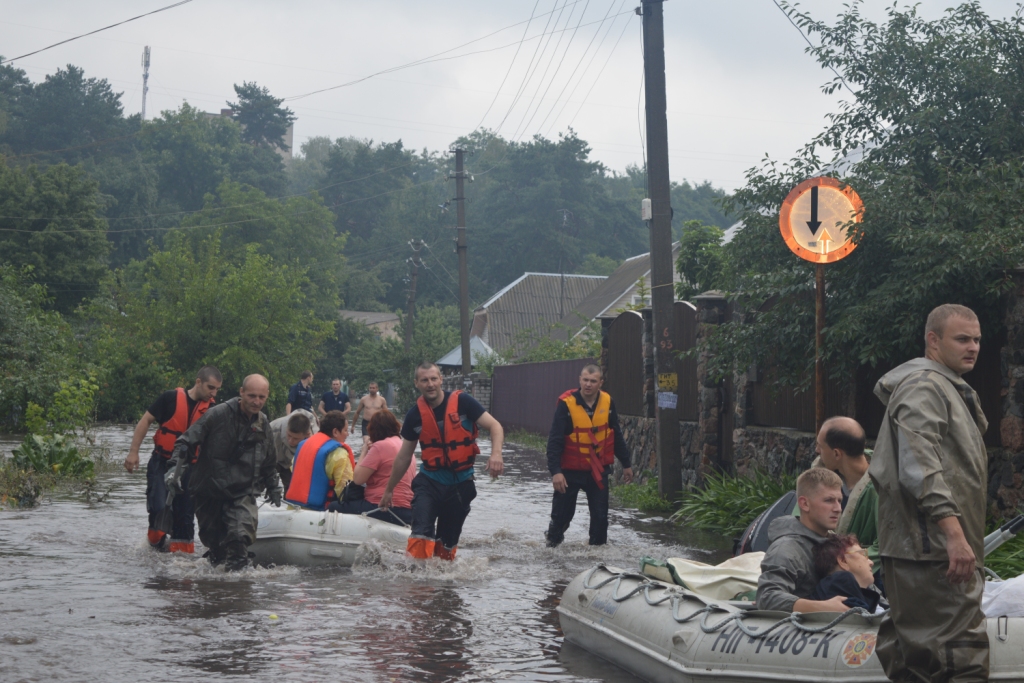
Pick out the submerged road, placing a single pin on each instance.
(83, 598)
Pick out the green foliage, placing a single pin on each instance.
(728, 504)
(1008, 559)
(521, 437)
(597, 265)
(936, 117)
(55, 454)
(642, 496)
(22, 488)
(71, 409)
(264, 121)
(643, 295)
(701, 262)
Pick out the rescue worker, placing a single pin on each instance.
(445, 425)
(788, 577)
(324, 463)
(299, 394)
(584, 441)
(285, 434)
(229, 450)
(930, 469)
(174, 411)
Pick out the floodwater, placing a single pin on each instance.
(83, 598)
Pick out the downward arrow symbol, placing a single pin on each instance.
(814, 223)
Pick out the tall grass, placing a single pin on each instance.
(643, 496)
(1008, 559)
(728, 504)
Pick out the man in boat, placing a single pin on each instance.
(335, 399)
(369, 406)
(840, 447)
(324, 464)
(584, 441)
(229, 451)
(930, 468)
(286, 433)
(299, 394)
(788, 577)
(445, 425)
(174, 411)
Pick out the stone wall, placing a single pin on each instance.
(479, 386)
(641, 435)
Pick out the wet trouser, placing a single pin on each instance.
(563, 506)
(438, 513)
(227, 526)
(358, 507)
(934, 631)
(182, 530)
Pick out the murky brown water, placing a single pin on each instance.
(82, 597)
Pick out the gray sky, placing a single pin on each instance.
(739, 82)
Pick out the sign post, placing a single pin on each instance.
(814, 221)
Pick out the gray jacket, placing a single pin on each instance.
(930, 462)
(234, 456)
(787, 570)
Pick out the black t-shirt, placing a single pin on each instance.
(470, 411)
(332, 402)
(164, 406)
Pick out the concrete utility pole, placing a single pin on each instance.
(460, 246)
(670, 479)
(414, 266)
(145, 79)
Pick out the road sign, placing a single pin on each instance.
(813, 219)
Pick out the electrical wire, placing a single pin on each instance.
(601, 72)
(811, 45)
(639, 100)
(48, 47)
(440, 263)
(511, 64)
(523, 123)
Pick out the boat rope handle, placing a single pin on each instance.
(400, 520)
(677, 597)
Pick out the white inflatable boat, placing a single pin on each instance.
(288, 535)
(663, 632)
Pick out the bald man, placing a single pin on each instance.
(840, 447)
(234, 464)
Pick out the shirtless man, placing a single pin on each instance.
(369, 406)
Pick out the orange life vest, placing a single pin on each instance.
(591, 445)
(457, 449)
(311, 487)
(170, 430)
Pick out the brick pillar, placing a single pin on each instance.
(649, 379)
(711, 312)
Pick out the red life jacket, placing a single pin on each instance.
(170, 430)
(311, 487)
(457, 449)
(591, 445)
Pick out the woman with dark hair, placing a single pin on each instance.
(844, 569)
(374, 470)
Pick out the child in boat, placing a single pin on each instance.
(845, 569)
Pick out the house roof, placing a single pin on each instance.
(477, 348)
(535, 299)
(369, 317)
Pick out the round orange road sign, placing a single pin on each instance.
(814, 219)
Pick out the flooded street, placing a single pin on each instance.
(83, 598)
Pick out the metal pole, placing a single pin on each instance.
(410, 318)
(460, 242)
(145, 79)
(670, 480)
(819, 341)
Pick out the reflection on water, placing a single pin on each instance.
(82, 597)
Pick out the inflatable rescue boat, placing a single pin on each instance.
(307, 538)
(663, 632)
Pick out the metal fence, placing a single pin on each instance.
(523, 396)
(624, 378)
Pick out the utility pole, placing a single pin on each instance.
(414, 266)
(145, 79)
(460, 247)
(670, 480)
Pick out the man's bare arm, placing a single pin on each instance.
(132, 461)
(495, 464)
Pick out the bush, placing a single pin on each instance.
(642, 496)
(728, 504)
(55, 454)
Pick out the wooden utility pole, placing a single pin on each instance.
(414, 266)
(819, 343)
(670, 479)
(460, 246)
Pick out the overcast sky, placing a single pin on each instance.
(739, 82)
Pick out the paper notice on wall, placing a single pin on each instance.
(667, 399)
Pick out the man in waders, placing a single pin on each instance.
(930, 469)
(584, 441)
(233, 462)
(174, 411)
(445, 425)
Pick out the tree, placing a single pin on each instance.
(936, 118)
(701, 262)
(264, 121)
(50, 220)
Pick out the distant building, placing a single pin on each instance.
(289, 135)
(383, 324)
(451, 362)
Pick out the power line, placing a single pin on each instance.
(29, 54)
(511, 64)
(811, 45)
(601, 72)
(547, 66)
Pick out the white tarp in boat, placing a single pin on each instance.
(724, 581)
